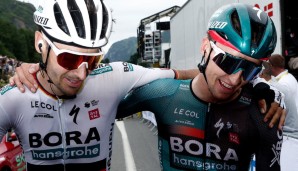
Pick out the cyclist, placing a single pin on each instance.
(212, 122)
(76, 117)
(68, 123)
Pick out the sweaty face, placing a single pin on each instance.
(67, 82)
(223, 86)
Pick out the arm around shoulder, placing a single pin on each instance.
(186, 74)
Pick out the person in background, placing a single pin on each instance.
(212, 122)
(287, 84)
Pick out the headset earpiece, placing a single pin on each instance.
(40, 44)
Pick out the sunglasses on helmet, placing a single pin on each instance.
(231, 64)
(71, 60)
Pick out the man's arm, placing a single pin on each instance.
(134, 102)
(23, 76)
(267, 95)
(186, 74)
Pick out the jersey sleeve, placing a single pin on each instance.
(269, 143)
(132, 76)
(146, 98)
(6, 106)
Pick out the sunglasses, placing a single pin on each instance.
(231, 64)
(71, 60)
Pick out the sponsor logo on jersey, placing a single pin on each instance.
(276, 149)
(6, 88)
(110, 146)
(87, 105)
(185, 112)
(234, 138)
(184, 87)
(94, 114)
(43, 105)
(221, 125)
(127, 67)
(185, 122)
(43, 115)
(245, 100)
(74, 112)
(69, 153)
(103, 68)
(185, 153)
(182, 162)
(93, 103)
(53, 139)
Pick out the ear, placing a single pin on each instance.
(39, 42)
(205, 46)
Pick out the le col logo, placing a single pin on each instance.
(188, 113)
(38, 104)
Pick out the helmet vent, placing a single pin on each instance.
(236, 22)
(92, 16)
(60, 19)
(77, 18)
(105, 22)
(257, 32)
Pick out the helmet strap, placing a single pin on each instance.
(203, 64)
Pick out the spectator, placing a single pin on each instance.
(286, 83)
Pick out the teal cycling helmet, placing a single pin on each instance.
(244, 28)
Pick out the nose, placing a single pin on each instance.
(236, 77)
(81, 72)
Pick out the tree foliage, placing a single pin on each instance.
(17, 43)
(16, 31)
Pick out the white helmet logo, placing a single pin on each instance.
(259, 12)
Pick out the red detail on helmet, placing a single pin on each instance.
(215, 36)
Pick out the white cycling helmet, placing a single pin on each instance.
(83, 23)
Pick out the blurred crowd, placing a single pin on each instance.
(7, 67)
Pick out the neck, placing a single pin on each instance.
(202, 91)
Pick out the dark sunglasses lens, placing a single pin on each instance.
(250, 72)
(230, 64)
(226, 63)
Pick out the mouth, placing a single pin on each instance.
(225, 85)
(74, 83)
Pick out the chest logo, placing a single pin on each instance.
(74, 112)
(93, 114)
(219, 125)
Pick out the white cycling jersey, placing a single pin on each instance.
(72, 134)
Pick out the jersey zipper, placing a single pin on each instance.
(206, 134)
(62, 131)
